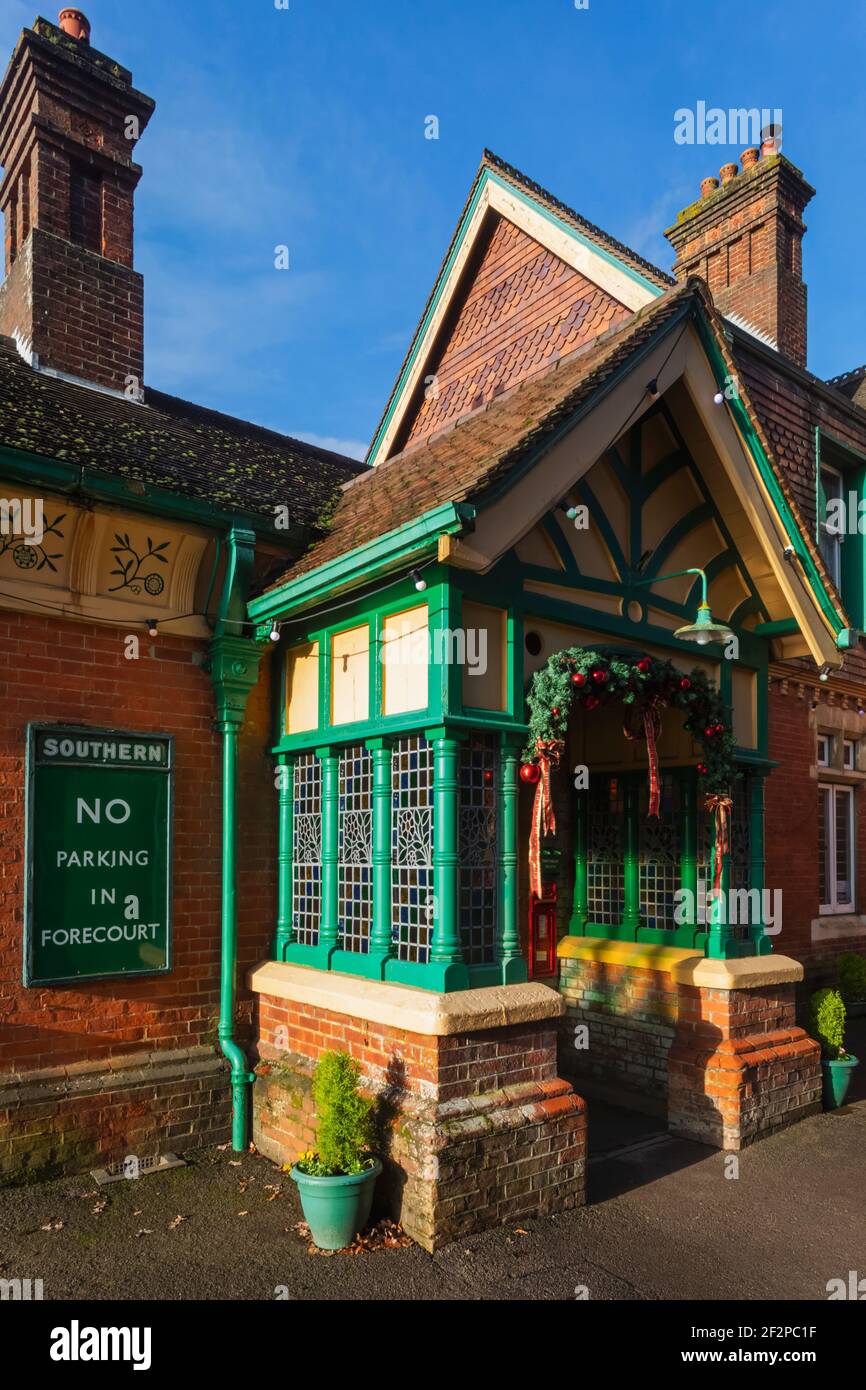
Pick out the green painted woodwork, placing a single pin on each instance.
(580, 911)
(329, 923)
(689, 842)
(401, 547)
(631, 860)
(234, 668)
(512, 966)
(852, 466)
(381, 945)
(285, 930)
(761, 943)
(752, 441)
(446, 955)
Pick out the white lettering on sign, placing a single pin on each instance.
(116, 817)
(96, 936)
(103, 859)
(96, 751)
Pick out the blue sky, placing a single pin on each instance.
(305, 127)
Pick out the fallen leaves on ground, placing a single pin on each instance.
(53, 1225)
(173, 1225)
(385, 1235)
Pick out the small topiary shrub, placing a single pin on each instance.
(827, 1023)
(851, 977)
(345, 1120)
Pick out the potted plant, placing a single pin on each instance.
(827, 1026)
(851, 980)
(336, 1180)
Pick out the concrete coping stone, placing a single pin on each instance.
(405, 1006)
(685, 967)
(748, 972)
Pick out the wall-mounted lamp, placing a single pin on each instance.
(703, 630)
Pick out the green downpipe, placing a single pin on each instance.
(242, 1077)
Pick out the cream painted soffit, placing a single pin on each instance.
(740, 492)
(557, 237)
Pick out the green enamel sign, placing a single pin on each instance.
(98, 887)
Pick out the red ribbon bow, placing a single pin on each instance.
(543, 814)
(720, 808)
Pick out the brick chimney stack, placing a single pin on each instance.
(745, 239)
(69, 121)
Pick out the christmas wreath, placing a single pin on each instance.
(579, 678)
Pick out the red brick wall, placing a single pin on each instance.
(474, 1130)
(76, 673)
(524, 307)
(791, 834)
(80, 313)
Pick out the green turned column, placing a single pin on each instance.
(580, 906)
(762, 944)
(285, 930)
(689, 852)
(447, 970)
(381, 936)
(509, 955)
(630, 860)
(329, 926)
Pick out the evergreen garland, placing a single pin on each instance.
(579, 678)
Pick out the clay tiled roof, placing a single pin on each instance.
(459, 463)
(561, 210)
(166, 443)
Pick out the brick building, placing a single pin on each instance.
(574, 666)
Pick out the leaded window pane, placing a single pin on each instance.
(356, 849)
(604, 867)
(659, 850)
(478, 887)
(307, 850)
(412, 849)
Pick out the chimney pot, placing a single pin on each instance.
(728, 172)
(771, 140)
(76, 24)
(750, 157)
(708, 186)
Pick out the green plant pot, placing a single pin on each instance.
(837, 1079)
(337, 1209)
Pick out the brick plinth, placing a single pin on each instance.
(474, 1128)
(739, 1068)
(67, 1119)
(630, 1016)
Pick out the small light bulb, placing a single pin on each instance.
(275, 632)
(718, 398)
(152, 628)
(418, 579)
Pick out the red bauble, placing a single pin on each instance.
(488, 777)
(555, 712)
(644, 664)
(720, 728)
(578, 678)
(709, 733)
(703, 769)
(685, 683)
(600, 677)
(530, 772)
(592, 702)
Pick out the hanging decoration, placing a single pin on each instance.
(543, 813)
(580, 678)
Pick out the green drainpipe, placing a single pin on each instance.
(234, 669)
